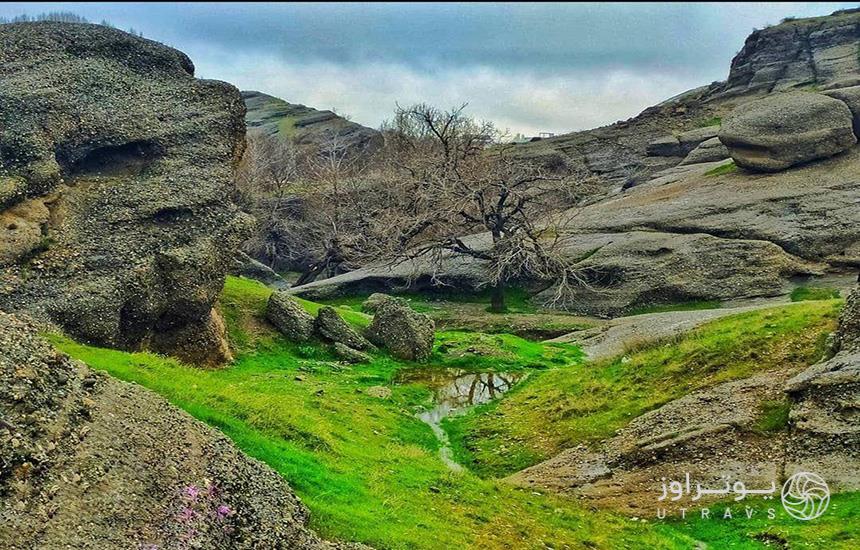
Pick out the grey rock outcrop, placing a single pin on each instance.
(819, 51)
(333, 328)
(783, 130)
(710, 150)
(406, 333)
(248, 267)
(851, 97)
(116, 172)
(799, 52)
(289, 317)
(825, 401)
(349, 355)
(89, 462)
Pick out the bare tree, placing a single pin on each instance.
(457, 184)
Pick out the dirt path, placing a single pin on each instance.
(622, 333)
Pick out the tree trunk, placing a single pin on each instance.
(309, 276)
(497, 298)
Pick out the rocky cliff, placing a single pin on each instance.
(116, 168)
(820, 52)
(306, 126)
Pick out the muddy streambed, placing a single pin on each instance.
(455, 392)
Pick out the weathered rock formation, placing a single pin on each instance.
(817, 50)
(116, 169)
(783, 130)
(289, 317)
(333, 328)
(797, 54)
(407, 334)
(92, 463)
(306, 126)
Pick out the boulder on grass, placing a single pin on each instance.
(289, 317)
(349, 355)
(333, 328)
(406, 333)
(374, 301)
(783, 130)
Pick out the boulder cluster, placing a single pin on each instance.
(405, 333)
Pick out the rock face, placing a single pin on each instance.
(646, 268)
(798, 52)
(826, 400)
(116, 169)
(289, 317)
(851, 97)
(711, 150)
(333, 328)
(89, 462)
(783, 130)
(406, 333)
(819, 51)
(305, 125)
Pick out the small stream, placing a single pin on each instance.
(454, 393)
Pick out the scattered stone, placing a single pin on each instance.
(331, 326)
(346, 353)
(289, 317)
(783, 130)
(406, 333)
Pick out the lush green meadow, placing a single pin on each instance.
(369, 470)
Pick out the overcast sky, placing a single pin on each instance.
(527, 67)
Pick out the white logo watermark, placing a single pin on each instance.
(805, 496)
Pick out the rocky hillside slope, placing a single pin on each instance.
(304, 125)
(748, 205)
(717, 432)
(817, 52)
(116, 168)
(89, 462)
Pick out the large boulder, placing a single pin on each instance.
(406, 333)
(783, 130)
(289, 317)
(333, 328)
(116, 172)
(849, 324)
(851, 97)
(90, 462)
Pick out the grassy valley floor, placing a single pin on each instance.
(369, 470)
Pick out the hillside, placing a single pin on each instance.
(305, 125)
(814, 53)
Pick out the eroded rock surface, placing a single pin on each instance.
(92, 463)
(783, 130)
(116, 170)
